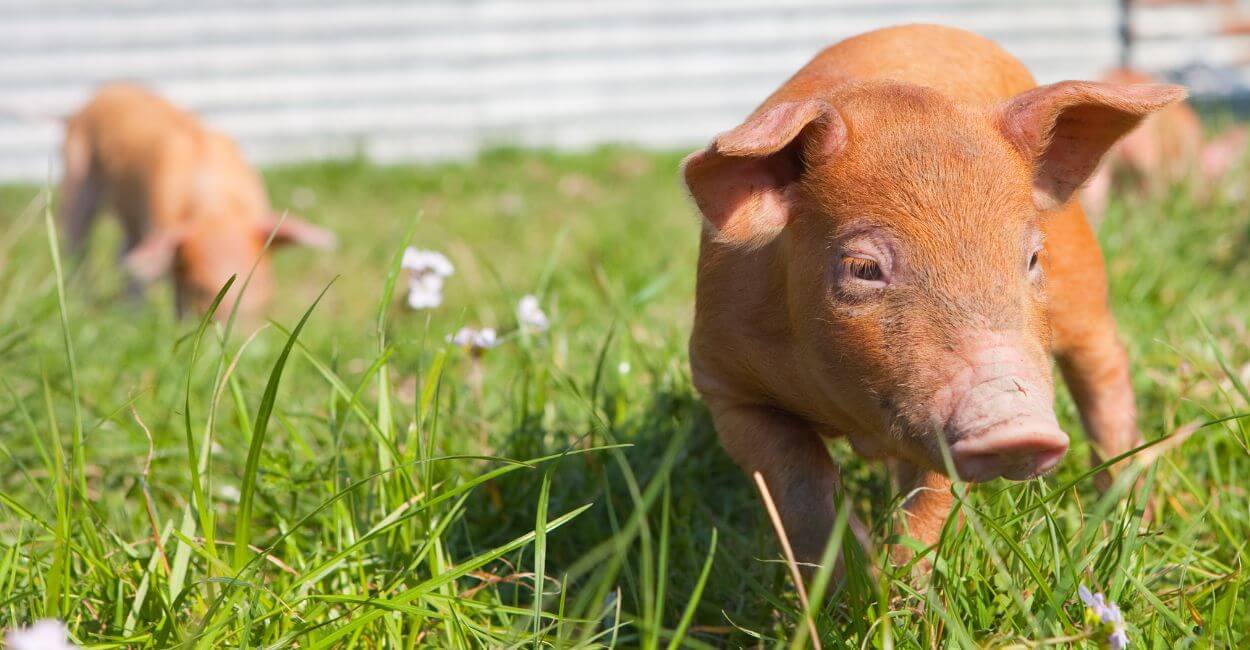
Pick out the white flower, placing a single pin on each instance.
(229, 493)
(1107, 614)
(425, 291)
(427, 262)
(475, 339)
(623, 367)
(48, 634)
(530, 314)
(426, 270)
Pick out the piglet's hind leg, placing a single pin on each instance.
(1094, 364)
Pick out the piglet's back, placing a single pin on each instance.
(225, 185)
(961, 65)
(143, 147)
(128, 121)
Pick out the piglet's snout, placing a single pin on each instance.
(1017, 450)
(1000, 416)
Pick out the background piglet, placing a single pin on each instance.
(1168, 149)
(189, 204)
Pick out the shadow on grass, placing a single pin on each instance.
(705, 490)
(672, 443)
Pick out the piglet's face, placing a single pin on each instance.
(209, 255)
(908, 231)
(915, 260)
(204, 253)
(215, 249)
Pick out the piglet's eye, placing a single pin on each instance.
(862, 268)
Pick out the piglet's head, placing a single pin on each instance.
(204, 253)
(903, 232)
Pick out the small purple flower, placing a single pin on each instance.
(1107, 616)
(530, 314)
(475, 340)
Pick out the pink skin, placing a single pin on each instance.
(998, 415)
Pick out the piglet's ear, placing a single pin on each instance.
(154, 255)
(1065, 128)
(741, 181)
(293, 230)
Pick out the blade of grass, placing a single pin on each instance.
(182, 555)
(820, 583)
(540, 555)
(243, 528)
(77, 453)
(661, 569)
(462, 569)
(687, 615)
(55, 599)
(789, 555)
(385, 419)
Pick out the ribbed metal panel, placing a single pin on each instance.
(297, 79)
(1208, 38)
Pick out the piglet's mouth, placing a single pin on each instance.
(1018, 450)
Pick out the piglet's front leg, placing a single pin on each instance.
(795, 464)
(926, 506)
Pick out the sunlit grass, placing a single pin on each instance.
(352, 480)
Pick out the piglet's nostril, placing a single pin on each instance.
(1017, 450)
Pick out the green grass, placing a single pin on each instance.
(352, 481)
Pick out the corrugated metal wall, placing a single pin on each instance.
(296, 79)
(1205, 43)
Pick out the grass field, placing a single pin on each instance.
(372, 486)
